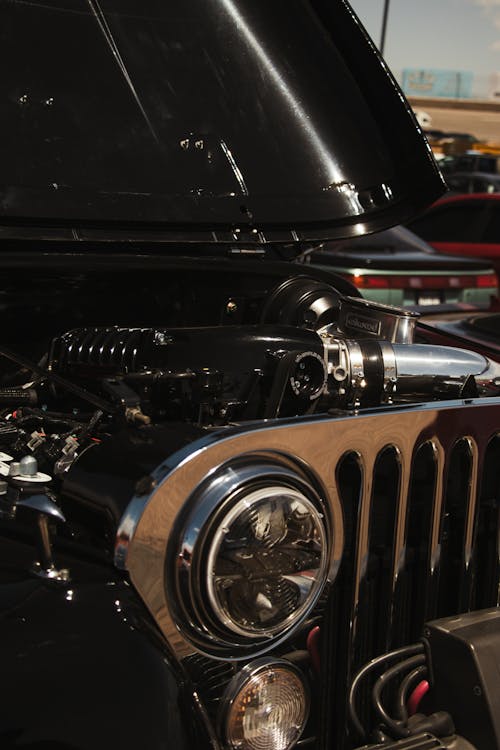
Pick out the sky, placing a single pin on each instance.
(462, 35)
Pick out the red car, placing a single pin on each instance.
(463, 225)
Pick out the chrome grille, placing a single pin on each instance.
(422, 531)
(414, 496)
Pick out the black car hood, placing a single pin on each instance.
(208, 120)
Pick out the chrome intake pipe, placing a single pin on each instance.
(367, 372)
(439, 367)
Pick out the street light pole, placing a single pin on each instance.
(384, 26)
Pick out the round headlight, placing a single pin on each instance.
(265, 707)
(253, 559)
(265, 561)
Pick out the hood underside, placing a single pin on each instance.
(210, 120)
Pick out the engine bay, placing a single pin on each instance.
(109, 364)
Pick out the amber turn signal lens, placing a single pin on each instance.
(266, 707)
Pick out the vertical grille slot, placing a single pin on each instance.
(379, 575)
(456, 530)
(487, 546)
(411, 601)
(349, 481)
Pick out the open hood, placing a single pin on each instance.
(206, 120)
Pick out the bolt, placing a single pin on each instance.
(28, 466)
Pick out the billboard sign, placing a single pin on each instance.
(449, 84)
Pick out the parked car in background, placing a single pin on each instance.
(470, 161)
(473, 182)
(450, 143)
(477, 331)
(396, 267)
(463, 225)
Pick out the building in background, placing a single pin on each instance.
(426, 82)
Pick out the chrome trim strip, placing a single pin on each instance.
(432, 581)
(363, 532)
(437, 508)
(471, 502)
(399, 557)
(470, 522)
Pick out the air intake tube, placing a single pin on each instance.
(368, 372)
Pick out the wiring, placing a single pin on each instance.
(412, 678)
(313, 648)
(396, 728)
(416, 696)
(404, 652)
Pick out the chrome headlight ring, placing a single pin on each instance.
(248, 558)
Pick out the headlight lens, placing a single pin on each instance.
(265, 561)
(254, 556)
(266, 707)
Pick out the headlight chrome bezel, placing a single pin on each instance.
(190, 556)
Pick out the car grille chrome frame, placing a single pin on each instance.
(414, 494)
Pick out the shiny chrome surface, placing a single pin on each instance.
(317, 446)
(421, 367)
(382, 371)
(206, 519)
(367, 319)
(472, 500)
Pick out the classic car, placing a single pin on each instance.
(473, 182)
(239, 506)
(396, 267)
(466, 224)
(470, 161)
(478, 330)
